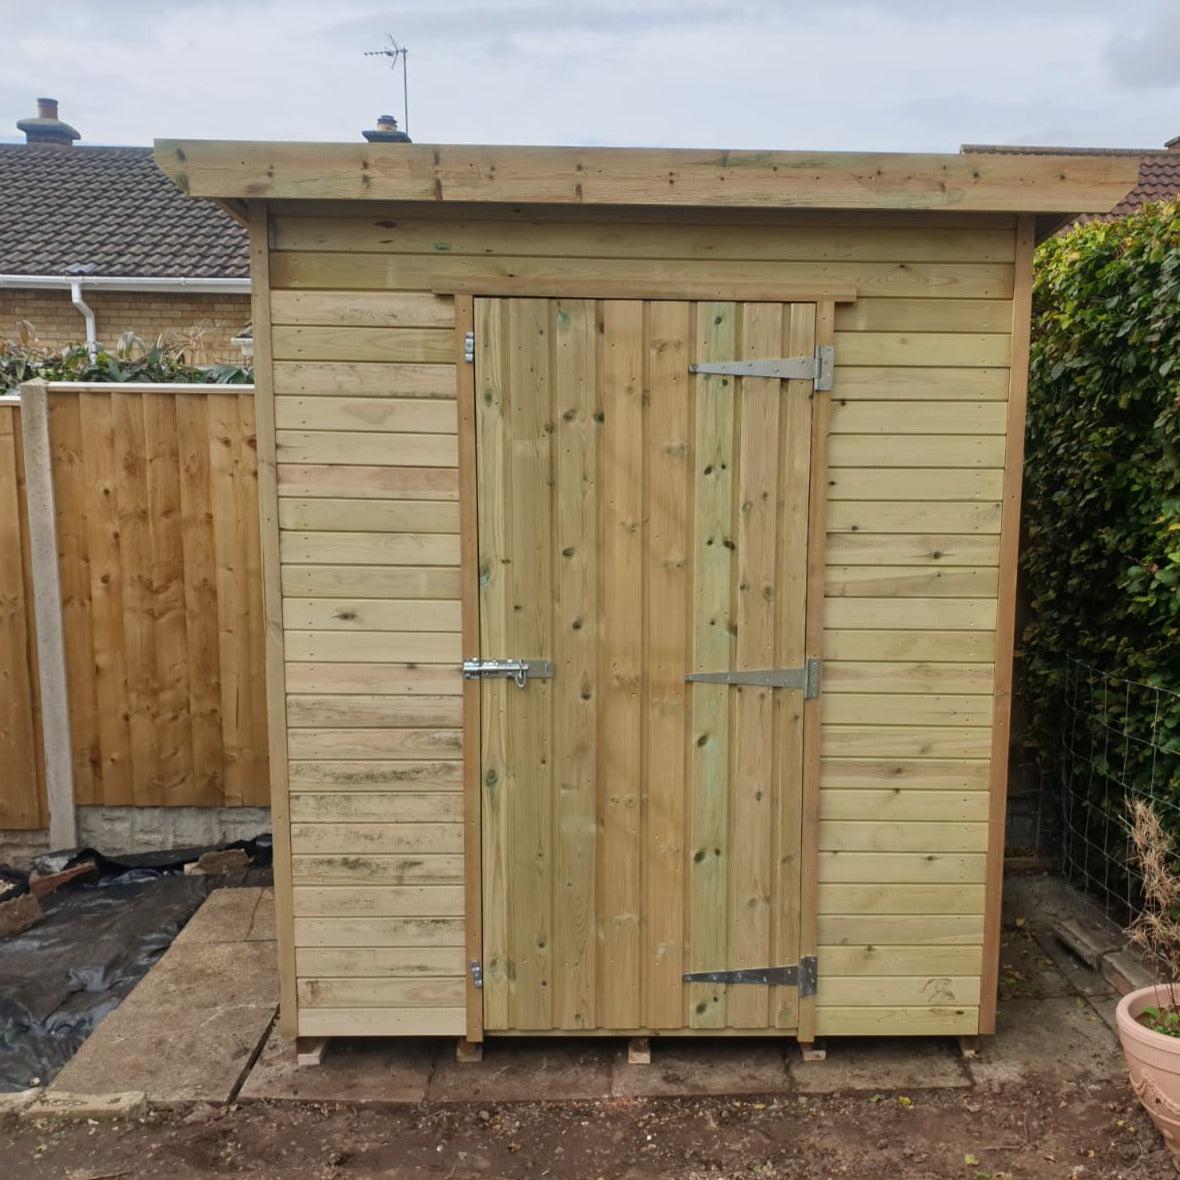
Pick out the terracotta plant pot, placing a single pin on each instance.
(1154, 1063)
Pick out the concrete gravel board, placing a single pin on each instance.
(358, 1071)
(515, 1070)
(888, 1063)
(699, 1067)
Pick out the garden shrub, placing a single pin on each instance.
(1101, 555)
(132, 359)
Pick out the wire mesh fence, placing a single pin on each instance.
(1118, 743)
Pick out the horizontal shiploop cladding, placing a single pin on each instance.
(582, 464)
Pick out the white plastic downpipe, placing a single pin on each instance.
(119, 283)
(87, 314)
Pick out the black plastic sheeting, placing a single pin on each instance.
(96, 941)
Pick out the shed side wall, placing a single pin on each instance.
(369, 546)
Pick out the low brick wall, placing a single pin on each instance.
(213, 320)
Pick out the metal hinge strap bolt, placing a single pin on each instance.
(477, 973)
(819, 368)
(469, 348)
(807, 678)
(804, 976)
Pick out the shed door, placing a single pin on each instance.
(638, 523)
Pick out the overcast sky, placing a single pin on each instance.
(842, 74)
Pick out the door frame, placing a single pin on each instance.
(464, 294)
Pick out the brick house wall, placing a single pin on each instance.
(57, 323)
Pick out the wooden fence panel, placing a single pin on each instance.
(22, 775)
(156, 505)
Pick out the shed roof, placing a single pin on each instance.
(111, 211)
(1159, 170)
(647, 176)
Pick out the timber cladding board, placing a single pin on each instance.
(368, 542)
(156, 498)
(444, 173)
(368, 450)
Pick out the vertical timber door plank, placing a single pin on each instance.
(71, 497)
(621, 716)
(167, 574)
(200, 595)
(577, 414)
(250, 489)
(817, 513)
(138, 632)
(106, 599)
(791, 601)
(530, 597)
(668, 507)
(712, 647)
(751, 759)
(465, 389)
(232, 610)
(492, 407)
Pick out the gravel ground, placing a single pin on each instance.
(1050, 1128)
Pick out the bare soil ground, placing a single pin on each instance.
(1049, 1128)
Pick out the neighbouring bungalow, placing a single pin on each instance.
(95, 242)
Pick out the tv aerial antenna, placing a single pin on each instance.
(393, 51)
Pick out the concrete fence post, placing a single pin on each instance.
(51, 649)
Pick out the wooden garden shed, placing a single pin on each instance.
(706, 467)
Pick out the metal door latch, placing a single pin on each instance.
(477, 973)
(819, 368)
(518, 670)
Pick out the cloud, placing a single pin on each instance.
(873, 74)
(1148, 57)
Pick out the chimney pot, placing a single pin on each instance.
(46, 127)
(386, 131)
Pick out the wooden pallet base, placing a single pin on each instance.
(310, 1050)
(468, 1052)
(639, 1051)
(815, 1050)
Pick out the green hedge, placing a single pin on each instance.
(1101, 555)
(131, 360)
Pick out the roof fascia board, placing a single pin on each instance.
(196, 286)
(646, 176)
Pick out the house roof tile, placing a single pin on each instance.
(111, 210)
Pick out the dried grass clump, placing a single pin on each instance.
(1156, 929)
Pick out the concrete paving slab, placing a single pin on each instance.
(262, 928)
(227, 915)
(360, 1072)
(1064, 1036)
(1043, 900)
(191, 1027)
(200, 975)
(870, 1063)
(694, 1067)
(186, 1055)
(1104, 1007)
(515, 1070)
(86, 1106)
(1026, 971)
(1081, 978)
